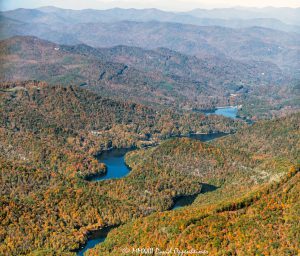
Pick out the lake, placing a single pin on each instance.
(115, 159)
(117, 168)
(230, 111)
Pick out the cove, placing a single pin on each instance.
(115, 163)
(94, 238)
(114, 159)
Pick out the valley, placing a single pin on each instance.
(130, 129)
(242, 193)
(113, 202)
(117, 168)
(49, 137)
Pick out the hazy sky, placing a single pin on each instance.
(176, 5)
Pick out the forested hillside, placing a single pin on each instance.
(31, 58)
(48, 207)
(265, 221)
(158, 78)
(142, 131)
(255, 209)
(56, 125)
(48, 138)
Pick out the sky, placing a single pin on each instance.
(171, 5)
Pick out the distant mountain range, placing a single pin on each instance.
(153, 28)
(156, 58)
(286, 19)
(287, 15)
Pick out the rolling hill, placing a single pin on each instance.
(154, 77)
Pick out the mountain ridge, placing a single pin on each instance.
(163, 76)
(202, 41)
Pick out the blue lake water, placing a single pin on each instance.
(114, 159)
(115, 163)
(230, 112)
